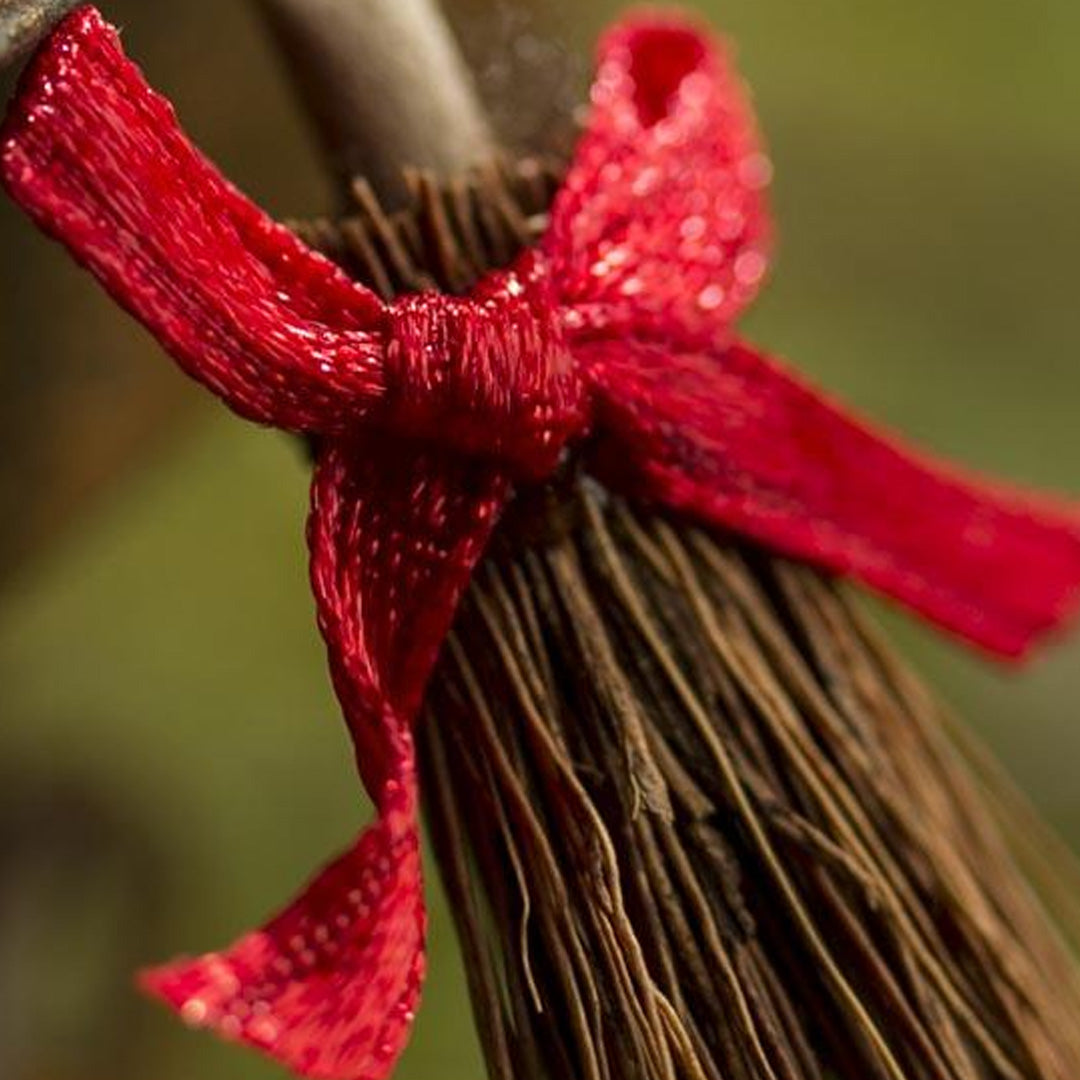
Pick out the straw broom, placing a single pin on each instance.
(695, 818)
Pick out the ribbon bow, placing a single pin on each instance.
(619, 324)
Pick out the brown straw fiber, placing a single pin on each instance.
(695, 819)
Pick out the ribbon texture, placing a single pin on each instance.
(619, 325)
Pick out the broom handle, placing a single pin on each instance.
(385, 86)
(23, 23)
(382, 80)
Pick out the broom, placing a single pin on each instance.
(694, 818)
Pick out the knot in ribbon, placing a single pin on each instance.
(489, 375)
(620, 323)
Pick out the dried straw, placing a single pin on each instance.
(695, 819)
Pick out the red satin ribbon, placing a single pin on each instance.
(618, 324)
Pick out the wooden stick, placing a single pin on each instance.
(385, 86)
(23, 23)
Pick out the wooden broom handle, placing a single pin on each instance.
(385, 86)
(23, 23)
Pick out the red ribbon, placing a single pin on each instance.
(619, 324)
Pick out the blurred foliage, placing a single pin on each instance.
(161, 653)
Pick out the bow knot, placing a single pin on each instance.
(489, 374)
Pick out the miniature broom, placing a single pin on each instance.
(694, 818)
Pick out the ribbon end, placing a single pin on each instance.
(207, 993)
(1061, 614)
(329, 986)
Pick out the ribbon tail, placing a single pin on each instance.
(99, 162)
(328, 988)
(728, 436)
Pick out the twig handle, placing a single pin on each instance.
(385, 86)
(23, 23)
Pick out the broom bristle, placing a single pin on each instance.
(694, 818)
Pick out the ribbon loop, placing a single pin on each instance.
(662, 222)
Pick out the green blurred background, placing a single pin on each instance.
(172, 764)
